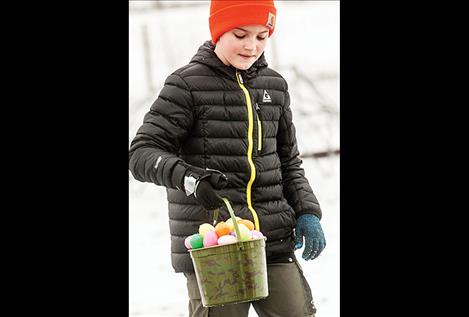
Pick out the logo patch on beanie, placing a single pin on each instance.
(271, 20)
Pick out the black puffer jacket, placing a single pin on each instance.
(207, 116)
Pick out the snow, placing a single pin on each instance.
(306, 37)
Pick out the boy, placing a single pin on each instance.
(222, 127)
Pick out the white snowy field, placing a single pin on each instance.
(306, 39)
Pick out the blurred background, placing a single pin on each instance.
(163, 36)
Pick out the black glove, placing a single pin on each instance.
(202, 185)
(207, 196)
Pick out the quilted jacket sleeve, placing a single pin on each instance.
(296, 188)
(153, 151)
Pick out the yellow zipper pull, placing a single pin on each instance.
(240, 78)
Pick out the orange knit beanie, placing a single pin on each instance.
(227, 15)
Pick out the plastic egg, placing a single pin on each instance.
(256, 234)
(210, 239)
(205, 227)
(222, 229)
(247, 223)
(230, 224)
(196, 241)
(245, 233)
(187, 242)
(227, 239)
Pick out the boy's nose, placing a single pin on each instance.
(249, 45)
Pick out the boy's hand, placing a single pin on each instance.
(308, 226)
(202, 184)
(206, 195)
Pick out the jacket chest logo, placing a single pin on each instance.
(266, 97)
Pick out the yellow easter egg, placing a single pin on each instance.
(203, 228)
(230, 224)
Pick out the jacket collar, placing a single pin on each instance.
(206, 55)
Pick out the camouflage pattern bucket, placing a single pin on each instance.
(231, 273)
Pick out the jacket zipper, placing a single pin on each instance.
(239, 78)
(259, 129)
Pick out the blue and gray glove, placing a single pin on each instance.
(308, 226)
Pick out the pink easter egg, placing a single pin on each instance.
(187, 242)
(227, 239)
(256, 234)
(210, 239)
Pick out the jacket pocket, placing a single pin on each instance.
(259, 129)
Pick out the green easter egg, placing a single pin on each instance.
(197, 241)
(244, 232)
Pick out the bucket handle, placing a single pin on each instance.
(228, 206)
(233, 217)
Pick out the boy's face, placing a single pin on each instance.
(242, 46)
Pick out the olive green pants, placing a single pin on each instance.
(289, 296)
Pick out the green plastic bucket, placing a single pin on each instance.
(231, 273)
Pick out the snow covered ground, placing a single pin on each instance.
(306, 37)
